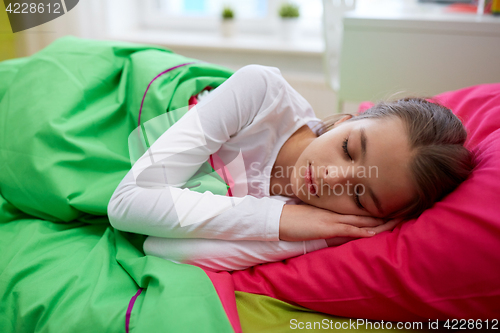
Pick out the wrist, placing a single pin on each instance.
(336, 241)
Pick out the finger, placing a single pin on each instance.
(389, 225)
(347, 230)
(360, 221)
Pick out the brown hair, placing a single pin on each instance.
(440, 161)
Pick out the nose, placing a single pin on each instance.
(338, 174)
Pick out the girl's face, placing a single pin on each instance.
(359, 168)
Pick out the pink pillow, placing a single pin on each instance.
(445, 264)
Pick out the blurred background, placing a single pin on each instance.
(336, 53)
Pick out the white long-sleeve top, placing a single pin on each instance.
(245, 122)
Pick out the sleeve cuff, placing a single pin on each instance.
(314, 245)
(273, 220)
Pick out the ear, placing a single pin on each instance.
(344, 118)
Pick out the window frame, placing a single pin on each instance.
(151, 18)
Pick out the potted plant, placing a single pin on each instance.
(227, 24)
(289, 13)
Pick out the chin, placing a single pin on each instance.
(295, 192)
(306, 198)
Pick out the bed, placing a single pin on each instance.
(65, 117)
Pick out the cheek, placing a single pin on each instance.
(328, 200)
(339, 202)
(311, 156)
(335, 203)
(325, 152)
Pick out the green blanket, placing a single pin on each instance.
(65, 117)
(66, 114)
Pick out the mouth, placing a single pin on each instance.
(310, 181)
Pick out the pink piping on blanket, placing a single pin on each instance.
(129, 309)
(157, 76)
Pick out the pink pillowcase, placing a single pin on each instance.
(445, 264)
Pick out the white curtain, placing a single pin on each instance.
(94, 19)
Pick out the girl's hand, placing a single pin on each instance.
(306, 222)
(389, 225)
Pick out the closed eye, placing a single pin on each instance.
(344, 147)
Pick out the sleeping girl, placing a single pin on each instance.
(298, 184)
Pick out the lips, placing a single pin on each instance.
(310, 183)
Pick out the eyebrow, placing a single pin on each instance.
(363, 142)
(376, 201)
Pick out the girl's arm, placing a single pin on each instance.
(221, 255)
(171, 212)
(149, 199)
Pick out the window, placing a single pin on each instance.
(248, 9)
(251, 16)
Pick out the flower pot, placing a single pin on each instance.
(289, 28)
(228, 28)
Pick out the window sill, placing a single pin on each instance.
(308, 46)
